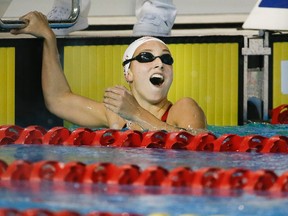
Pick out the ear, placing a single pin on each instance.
(129, 76)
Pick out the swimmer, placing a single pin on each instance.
(148, 69)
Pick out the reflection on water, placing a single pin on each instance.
(145, 157)
(87, 198)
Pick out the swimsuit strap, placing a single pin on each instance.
(164, 117)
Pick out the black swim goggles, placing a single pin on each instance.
(145, 57)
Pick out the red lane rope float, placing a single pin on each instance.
(10, 134)
(116, 138)
(280, 114)
(252, 143)
(56, 136)
(111, 174)
(80, 136)
(18, 170)
(99, 172)
(202, 142)
(45, 170)
(154, 139)
(178, 140)
(180, 176)
(45, 212)
(227, 143)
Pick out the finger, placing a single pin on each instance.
(15, 31)
(121, 87)
(18, 31)
(26, 16)
(44, 17)
(124, 89)
(26, 21)
(118, 87)
(114, 90)
(118, 90)
(111, 95)
(111, 101)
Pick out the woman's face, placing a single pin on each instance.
(150, 81)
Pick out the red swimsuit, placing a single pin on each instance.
(163, 118)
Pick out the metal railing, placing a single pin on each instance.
(75, 12)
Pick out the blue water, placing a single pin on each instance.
(263, 129)
(85, 198)
(75, 199)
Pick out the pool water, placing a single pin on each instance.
(263, 129)
(85, 198)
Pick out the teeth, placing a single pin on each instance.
(159, 76)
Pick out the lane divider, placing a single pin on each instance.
(13, 134)
(225, 180)
(45, 212)
(279, 115)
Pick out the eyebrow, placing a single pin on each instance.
(150, 50)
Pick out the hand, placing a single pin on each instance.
(37, 25)
(120, 101)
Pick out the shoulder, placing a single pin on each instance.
(185, 102)
(186, 111)
(186, 106)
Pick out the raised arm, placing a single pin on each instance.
(57, 94)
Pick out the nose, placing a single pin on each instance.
(158, 62)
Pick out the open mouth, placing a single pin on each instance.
(157, 79)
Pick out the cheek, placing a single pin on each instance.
(170, 73)
(139, 71)
(171, 80)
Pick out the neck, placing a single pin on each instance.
(155, 109)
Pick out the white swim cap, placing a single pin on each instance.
(132, 48)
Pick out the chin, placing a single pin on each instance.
(156, 98)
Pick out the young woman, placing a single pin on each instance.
(148, 69)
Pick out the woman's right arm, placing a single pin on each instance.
(57, 94)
